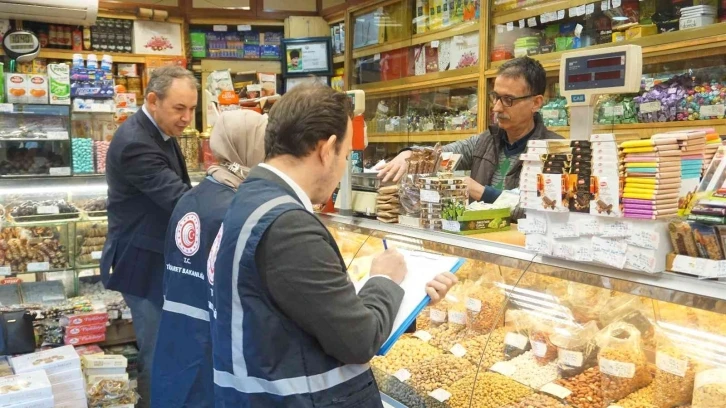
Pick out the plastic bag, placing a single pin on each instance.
(622, 362)
(484, 303)
(516, 341)
(586, 301)
(437, 313)
(675, 372)
(423, 161)
(709, 389)
(456, 312)
(576, 348)
(540, 331)
(627, 309)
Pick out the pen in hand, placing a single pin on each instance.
(385, 244)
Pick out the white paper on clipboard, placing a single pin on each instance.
(422, 268)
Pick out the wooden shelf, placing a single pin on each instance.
(432, 80)
(236, 22)
(417, 39)
(117, 56)
(519, 13)
(338, 59)
(645, 130)
(672, 46)
(421, 137)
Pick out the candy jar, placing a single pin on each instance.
(205, 151)
(189, 145)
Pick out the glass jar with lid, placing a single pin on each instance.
(205, 151)
(189, 144)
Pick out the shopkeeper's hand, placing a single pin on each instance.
(439, 287)
(394, 169)
(476, 190)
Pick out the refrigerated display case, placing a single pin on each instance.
(541, 332)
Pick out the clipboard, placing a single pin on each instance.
(422, 268)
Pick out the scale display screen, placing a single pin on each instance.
(21, 39)
(595, 71)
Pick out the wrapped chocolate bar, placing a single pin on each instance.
(555, 113)
(662, 103)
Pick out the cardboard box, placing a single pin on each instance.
(88, 350)
(85, 339)
(38, 89)
(74, 395)
(91, 379)
(16, 86)
(105, 371)
(104, 361)
(69, 386)
(66, 376)
(59, 84)
(47, 402)
(79, 403)
(125, 100)
(84, 319)
(128, 70)
(25, 387)
(641, 31)
(52, 361)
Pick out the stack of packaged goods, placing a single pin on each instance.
(693, 147)
(26, 390)
(441, 195)
(607, 173)
(388, 205)
(534, 166)
(108, 382)
(97, 367)
(713, 141)
(652, 177)
(84, 328)
(131, 353)
(579, 185)
(62, 365)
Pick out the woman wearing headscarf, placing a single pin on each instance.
(182, 370)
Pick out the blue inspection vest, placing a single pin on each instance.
(262, 359)
(182, 370)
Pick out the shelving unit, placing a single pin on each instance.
(421, 137)
(68, 55)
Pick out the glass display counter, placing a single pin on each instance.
(520, 330)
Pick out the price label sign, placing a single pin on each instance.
(5, 270)
(671, 364)
(96, 255)
(556, 390)
(440, 394)
(504, 368)
(402, 375)
(473, 305)
(458, 350)
(38, 266)
(516, 340)
(430, 196)
(423, 335)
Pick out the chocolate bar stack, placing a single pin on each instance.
(693, 148)
(580, 193)
(606, 174)
(652, 177)
(442, 198)
(713, 141)
(544, 157)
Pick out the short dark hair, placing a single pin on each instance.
(304, 116)
(294, 54)
(528, 68)
(163, 78)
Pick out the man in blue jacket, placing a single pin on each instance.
(146, 176)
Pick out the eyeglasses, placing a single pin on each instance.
(507, 101)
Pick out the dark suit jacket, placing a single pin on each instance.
(145, 180)
(302, 269)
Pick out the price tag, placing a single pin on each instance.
(459, 39)
(556, 390)
(59, 171)
(607, 111)
(538, 243)
(473, 305)
(617, 368)
(100, 108)
(590, 227)
(590, 9)
(38, 266)
(650, 107)
(510, 26)
(535, 224)
(573, 12)
(551, 114)
(708, 377)
(403, 375)
(437, 316)
(7, 108)
(712, 110)
(388, 127)
(457, 317)
(544, 18)
(618, 110)
(219, 27)
(5, 270)
(458, 350)
(440, 394)
(605, 5)
(430, 196)
(516, 340)
(581, 10)
(500, 29)
(244, 27)
(96, 255)
(617, 229)
(570, 358)
(47, 209)
(566, 230)
(57, 135)
(671, 364)
(609, 251)
(435, 44)
(451, 226)
(522, 24)
(532, 22)
(640, 259)
(539, 349)
(126, 314)
(504, 368)
(423, 335)
(616, 3)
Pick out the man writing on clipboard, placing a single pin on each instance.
(289, 329)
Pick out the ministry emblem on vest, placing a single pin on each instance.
(188, 234)
(213, 255)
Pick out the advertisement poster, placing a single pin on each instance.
(307, 58)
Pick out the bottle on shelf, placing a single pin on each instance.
(67, 38)
(77, 39)
(52, 36)
(86, 38)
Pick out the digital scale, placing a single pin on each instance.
(587, 74)
(20, 46)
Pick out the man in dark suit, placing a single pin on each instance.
(146, 176)
(288, 328)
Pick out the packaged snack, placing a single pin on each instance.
(707, 241)
(586, 301)
(16, 86)
(38, 89)
(576, 348)
(541, 328)
(682, 238)
(621, 361)
(456, 312)
(52, 361)
(628, 309)
(24, 387)
(675, 372)
(59, 84)
(484, 306)
(709, 390)
(516, 341)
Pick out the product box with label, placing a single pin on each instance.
(66, 376)
(87, 329)
(59, 84)
(92, 379)
(79, 403)
(88, 350)
(104, 361)
(105, 371)
(85, 339)
(52, 361)
(24, 387)
(84, 319)
(478, 221)
(270, 51)
(47, 402)
(38, 89)
(77, 384)
(16, 86)
(72, 395)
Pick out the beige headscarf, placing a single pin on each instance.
(238, 143)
